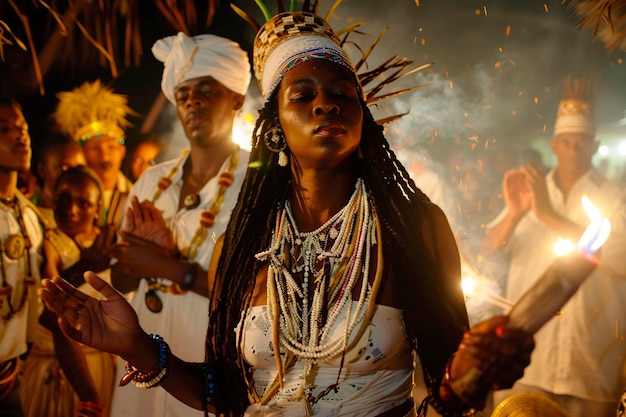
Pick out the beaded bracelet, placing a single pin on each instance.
(209, 385)
(89, 409)
(151, 378)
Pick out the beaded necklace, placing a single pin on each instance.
(207, 217)
(207, 220)
(15, 247)
(335, 256)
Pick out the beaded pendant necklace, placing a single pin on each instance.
(15, 247)
(329, 261)
(207, 220)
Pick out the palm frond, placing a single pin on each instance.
(606, 18)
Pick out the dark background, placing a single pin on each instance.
(487, 86)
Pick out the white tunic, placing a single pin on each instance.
(22, 327)
(581, 352)
(184, 319)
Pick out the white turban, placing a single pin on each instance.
(186, 58)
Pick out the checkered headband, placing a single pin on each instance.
(289, 39)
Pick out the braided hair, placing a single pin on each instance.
(434, 312)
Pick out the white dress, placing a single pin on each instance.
(376, 375)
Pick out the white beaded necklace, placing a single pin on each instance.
(303, 329)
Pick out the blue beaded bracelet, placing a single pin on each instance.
(163, 349)
(156, 376)
(209, 385)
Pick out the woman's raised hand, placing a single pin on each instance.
(110, 325)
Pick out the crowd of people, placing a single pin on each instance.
(317, 274)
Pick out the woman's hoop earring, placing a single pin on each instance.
(275, 142)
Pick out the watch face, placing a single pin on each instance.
(153, 301)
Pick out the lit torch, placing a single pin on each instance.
(561, 280)
(551, 291)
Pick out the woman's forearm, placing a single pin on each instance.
(183, 380)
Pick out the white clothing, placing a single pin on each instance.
(183, 321)
(22, 327)
(580, 352)
(376, 375)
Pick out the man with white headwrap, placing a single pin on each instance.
(179, 208)
(579, 356)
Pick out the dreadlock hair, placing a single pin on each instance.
(434, 312)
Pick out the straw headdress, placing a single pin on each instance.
(92, 110)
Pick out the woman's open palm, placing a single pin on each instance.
(110, 325)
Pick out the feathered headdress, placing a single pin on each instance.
(291, 37)
(576, 111)
(92, 110)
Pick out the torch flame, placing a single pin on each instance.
(598, 230)
(562, 247)
(592, 212)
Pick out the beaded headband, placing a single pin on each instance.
(92, 110)
(291, 37)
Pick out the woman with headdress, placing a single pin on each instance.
(333, 271)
